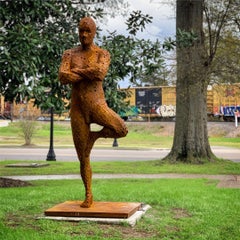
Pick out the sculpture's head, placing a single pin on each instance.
(87, 30)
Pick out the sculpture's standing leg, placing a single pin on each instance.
(86, 174)
(80, 132)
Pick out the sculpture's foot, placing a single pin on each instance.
(87, 202)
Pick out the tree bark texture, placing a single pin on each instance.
(191, 136)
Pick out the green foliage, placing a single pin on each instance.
(226, 64)
(139, 60)
(184, 39)
(33, 36)
(137, 21)
(33, 41)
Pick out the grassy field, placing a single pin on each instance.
(143, 167)
(141, 135)
(181, 209)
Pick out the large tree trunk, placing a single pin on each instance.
(191, 136)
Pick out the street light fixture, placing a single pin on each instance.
(51, 154)
(115, 143)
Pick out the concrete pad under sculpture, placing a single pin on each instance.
(134, 211)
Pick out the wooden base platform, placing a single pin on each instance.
(97, 210)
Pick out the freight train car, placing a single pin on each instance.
(5, 109)
(159, 102)
(224, 101)
(153, 102)
(25, 109)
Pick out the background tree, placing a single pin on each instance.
(33, 36)
(131, 58)
(195, 55)
(33, 41)
(225, 68)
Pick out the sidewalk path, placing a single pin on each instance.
(231, 181)
(104, 154)
(118, 176)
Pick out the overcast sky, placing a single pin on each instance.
(163, 22)
(162, 26)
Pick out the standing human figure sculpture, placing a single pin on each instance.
(85, 68)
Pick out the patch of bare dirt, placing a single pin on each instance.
(8, 182)
(126, 232)
(223, 129)
(29, 145)
(215, 129)
(13, 221)
(103, 230)
(180, 213)
(230, 183)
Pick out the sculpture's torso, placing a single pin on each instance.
(89, 88)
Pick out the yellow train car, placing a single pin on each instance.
(153, 102)
(147, 102)
(25, 109)
(160, 101)
(225, 101)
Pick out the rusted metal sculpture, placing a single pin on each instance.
(85, 67)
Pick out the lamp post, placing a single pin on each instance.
(51, 154)
(115, 143)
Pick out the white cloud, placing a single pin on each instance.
(162, 26)
(163, 22)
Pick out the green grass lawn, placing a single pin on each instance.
(143, 167)
(181, 209)
(145, 135)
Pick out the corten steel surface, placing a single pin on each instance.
(84, 68)
(97, 210)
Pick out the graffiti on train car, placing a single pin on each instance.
(151, 102)
(230, 111)
(166, 111)
(148, 99)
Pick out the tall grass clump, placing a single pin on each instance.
(28, 129)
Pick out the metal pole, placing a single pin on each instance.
(51, 155)
(115, 143)
(236, 119)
